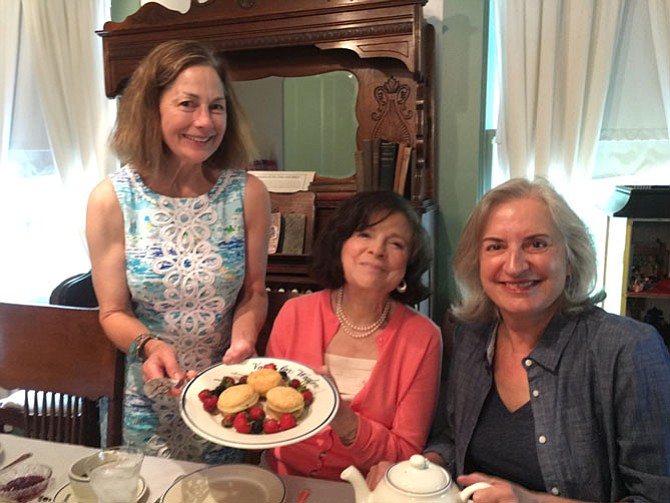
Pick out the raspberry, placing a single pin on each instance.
(295, 383)
(256, 413)
(209, 404)
(308, 396)
(271, 426)
(270, 366)
(228, 420)
(241, 424)
(286, 422)
(204, 394)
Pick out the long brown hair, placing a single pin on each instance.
(137, 137)
(578, 294)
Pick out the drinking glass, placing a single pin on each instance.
(116, 477)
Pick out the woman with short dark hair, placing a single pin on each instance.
(383, 355)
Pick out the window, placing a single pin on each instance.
(633, 147)
(42, 204)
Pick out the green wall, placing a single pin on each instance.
(123, 8)
(460, 52)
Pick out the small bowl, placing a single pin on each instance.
(80, 471)
(24, 482)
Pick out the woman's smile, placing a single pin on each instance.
(523, 262)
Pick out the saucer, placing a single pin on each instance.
(65, 495)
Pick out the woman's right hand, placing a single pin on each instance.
(161, 362)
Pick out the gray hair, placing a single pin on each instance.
(578, 294)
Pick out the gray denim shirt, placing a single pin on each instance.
(600, 394)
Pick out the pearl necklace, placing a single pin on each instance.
(354, 331)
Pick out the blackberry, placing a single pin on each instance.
(257, 427)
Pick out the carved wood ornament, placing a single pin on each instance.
(386, 44)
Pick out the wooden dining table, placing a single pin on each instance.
(159, 473)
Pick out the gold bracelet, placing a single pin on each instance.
(137, 346)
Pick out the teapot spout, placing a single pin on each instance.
(353, 476)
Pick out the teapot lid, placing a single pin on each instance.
(418, 476)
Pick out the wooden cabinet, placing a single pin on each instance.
(387, 45)
(637, 260)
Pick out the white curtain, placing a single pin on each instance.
(9, 44)
(54, 124)
(78, 116)
(659, 13)
(555, 63)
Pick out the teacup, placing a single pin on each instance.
(80, 483)
(80, 472)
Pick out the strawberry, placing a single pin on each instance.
(243, 428)
(286, 422)
(295, 383)
(256, 413)
(271, 426)
(228, 420)
(242, 380)
(204, 394)
(241, 424)
(270, 366)
(209, 404)
(308, 396)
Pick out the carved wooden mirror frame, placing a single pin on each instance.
(386, 44)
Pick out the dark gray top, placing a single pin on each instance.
(503, 444)
(600, 395)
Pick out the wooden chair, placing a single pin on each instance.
(76, 291)
(63, 364)
(276, 300)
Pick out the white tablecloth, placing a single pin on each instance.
(158, 473)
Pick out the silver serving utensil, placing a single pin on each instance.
(160, 386)
(22, 457)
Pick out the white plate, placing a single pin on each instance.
(316, 416)
(238, 483)
(65, 494)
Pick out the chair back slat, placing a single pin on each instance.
(64, 363)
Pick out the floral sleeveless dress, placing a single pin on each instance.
(184, 266)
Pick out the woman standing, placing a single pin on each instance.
(178, 239)
(383, 355)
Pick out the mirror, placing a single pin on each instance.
(304, 123)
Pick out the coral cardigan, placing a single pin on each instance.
(394, 408)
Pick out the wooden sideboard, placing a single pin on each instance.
(387, 45)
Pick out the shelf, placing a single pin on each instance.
(648, 295)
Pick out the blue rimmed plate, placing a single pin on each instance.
(316, 416)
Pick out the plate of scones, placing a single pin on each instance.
(259, 403)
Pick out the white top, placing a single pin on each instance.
(350, 374)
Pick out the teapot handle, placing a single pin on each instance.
(470, 490)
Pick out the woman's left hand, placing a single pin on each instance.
(239, 351)
(501, 491)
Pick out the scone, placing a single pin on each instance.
(264, 379)
(237, 398)
(284, 400)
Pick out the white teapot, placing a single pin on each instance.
(416, 480)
